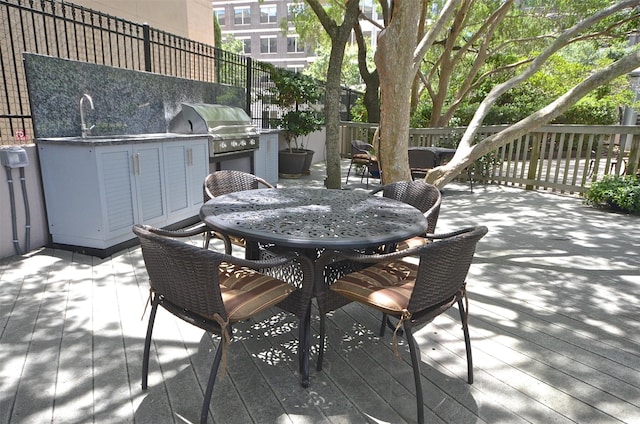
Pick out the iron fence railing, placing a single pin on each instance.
(558, 158)
(69, 31)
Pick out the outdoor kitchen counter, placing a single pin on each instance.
(97, 188)
(103, 140)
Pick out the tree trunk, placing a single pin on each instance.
(371, 98)
(339, 35)
(394, 61)
(332, 115)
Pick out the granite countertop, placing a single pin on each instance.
(118, 139)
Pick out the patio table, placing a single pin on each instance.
(308, 220)
(441, 153)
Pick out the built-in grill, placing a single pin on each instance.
(232, 138)
(229, 128)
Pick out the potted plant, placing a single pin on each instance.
(295, 94)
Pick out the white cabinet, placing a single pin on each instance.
(186, 165)
(95, 192)
(266, 157)
(131, 183)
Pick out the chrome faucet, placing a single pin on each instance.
(84, 129)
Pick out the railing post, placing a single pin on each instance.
(249, 86)
(634, 157)
(533, 160)
(146, 45)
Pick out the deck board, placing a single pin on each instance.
(553, 319)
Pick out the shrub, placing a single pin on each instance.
(620, 193)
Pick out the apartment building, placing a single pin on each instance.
(258, 25)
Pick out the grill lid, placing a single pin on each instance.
(214, 119)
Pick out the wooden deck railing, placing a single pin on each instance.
(559, 158)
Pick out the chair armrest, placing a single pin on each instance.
(199, 228)
(356, 256)
(369, 148)
(376, 190)
(264, 182)
(281, 259)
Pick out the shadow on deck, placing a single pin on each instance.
(554, 322)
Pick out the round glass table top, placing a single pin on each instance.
(313, 218)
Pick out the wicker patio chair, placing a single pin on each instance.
(228, 181)
(422, 196)
(415, 294)
(421, 161)
(208, 289)
(362, 155)
(419, 194)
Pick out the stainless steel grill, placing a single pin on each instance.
(229, 128)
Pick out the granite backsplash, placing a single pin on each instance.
(125, 101)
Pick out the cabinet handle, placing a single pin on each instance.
(139, 163)
(135, 164)
(189, 157)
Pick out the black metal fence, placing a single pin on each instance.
(74, 32)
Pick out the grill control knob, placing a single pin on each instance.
(243, 143)
(223, 145)
(234, 143)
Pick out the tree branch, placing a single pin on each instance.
(429, 38)
(561, 41)
(466, 155)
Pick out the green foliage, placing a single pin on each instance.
(620, 193)
(359, 111)
(217, 32)
(528, 29)
(591, 111)
(293, 89)
(232, 45)
(600, 107)
(295, 93)
(300, 122)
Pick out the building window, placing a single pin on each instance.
(269, 44)
(367, 8)
(242, 15)
(294, 45)
(296, 68)
(268, 14)
(219, 14)
(293, 9)
(246, 44)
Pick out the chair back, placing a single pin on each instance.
(443, 268)
(419, 194)
(185, 275)
(229, 181)
(359, 147)
(420, 160)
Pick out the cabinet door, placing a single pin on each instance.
(266, 158)
(117, 182)
(177, 180)
(198, 170)
(186, 165)
(149, 182)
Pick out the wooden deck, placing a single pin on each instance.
(554, 320)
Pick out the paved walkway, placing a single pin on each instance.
(554, 319)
